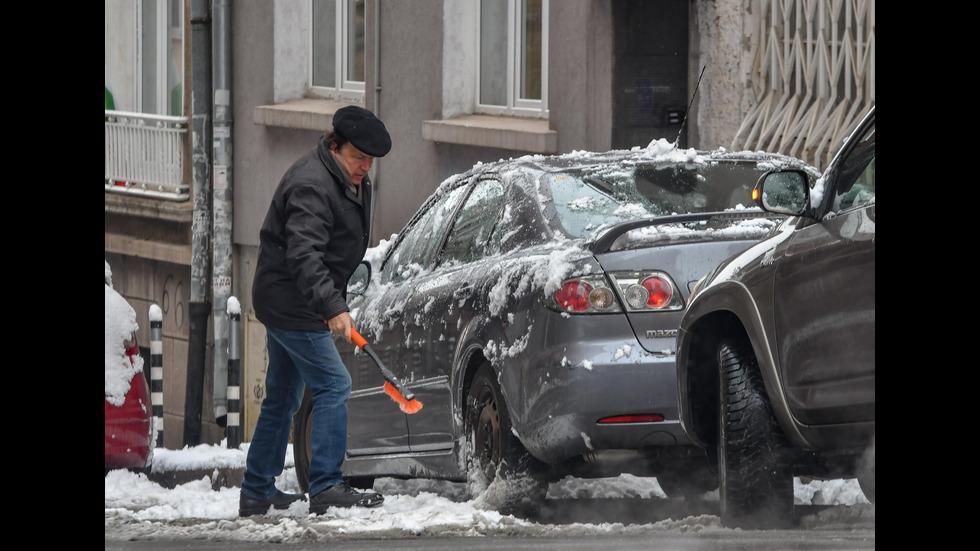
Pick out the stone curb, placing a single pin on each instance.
(221, 477)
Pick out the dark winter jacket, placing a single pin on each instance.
(314, 235)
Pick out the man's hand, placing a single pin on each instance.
(341, 324)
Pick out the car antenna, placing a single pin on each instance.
(689, 106)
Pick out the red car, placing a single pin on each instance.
(129, 428)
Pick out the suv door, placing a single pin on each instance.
(824, 296)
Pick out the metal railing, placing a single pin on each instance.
(144, 155)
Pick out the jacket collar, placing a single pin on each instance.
(340, 175)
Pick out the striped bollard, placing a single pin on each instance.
(234, 377)
(156, 370)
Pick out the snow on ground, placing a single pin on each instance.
(137, 508)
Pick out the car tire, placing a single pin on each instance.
(867, 483)
(755, 480)
(303, 452)
(495, 457)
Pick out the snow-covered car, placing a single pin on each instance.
(532, 305)
(776, 351)
(129, 428)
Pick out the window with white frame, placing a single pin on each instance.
(337, 48)
(160, 57)
(513, 57)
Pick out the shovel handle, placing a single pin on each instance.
(357, 338)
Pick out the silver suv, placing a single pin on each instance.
(776, 350)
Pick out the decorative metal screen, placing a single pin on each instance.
(813, 75)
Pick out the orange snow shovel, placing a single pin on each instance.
(393, 388)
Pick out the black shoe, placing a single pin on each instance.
(248, 506)
(342, 495)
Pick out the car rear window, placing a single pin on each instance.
(584, 200)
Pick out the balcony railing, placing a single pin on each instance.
(144, 155)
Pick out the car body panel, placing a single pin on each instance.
(824, 319)
(128, 428)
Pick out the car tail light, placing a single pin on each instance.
(635, 418)
(658, 292)
(648, 291)
(574, 295)
(132, 348)
(637, 291)
(585, 295)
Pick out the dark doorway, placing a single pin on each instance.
(650, 76)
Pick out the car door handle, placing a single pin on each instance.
(392, 315)
(465, 291)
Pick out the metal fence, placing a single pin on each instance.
(144, 155)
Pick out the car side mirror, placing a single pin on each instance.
(359, 280)
(782, 192)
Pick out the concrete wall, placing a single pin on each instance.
(580, 74)
(722, 50)
(409, 72)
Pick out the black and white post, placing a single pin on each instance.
(234, 377)
(156, 370)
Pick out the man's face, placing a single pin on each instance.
(354, 160)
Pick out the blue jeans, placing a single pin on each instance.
(299, 359)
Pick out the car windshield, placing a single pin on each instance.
(586, 199)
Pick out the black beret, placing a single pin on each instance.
(363, 130)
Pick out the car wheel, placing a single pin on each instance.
(755, 481)
(867, 483)
(500, 471)
(866, 472)
(303, 450)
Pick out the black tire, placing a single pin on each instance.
(867, 483)
(866, 472)
(302, 450)
(755, 480)
(493, 451)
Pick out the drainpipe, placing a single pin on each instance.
(377, 109)
(222, 203)
(199, 307)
